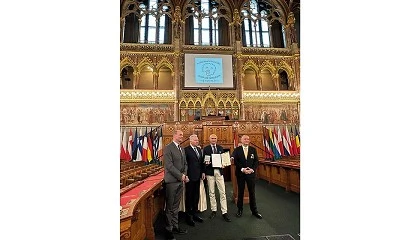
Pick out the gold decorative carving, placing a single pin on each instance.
(270, 96)
(135, 47)
(145, 96)
(267, 51)
(212, 49)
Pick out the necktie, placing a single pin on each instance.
(246, 152)
(180, 150)
(214, 149)
(196, 152)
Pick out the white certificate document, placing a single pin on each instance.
(225, 159)
(216, 160)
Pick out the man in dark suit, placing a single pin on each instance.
(194, 173)
(246, 161)
(214, 176)
(175, 165)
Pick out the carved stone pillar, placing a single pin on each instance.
(122, 28)
(259, 82)
(136, 79)
(155, 80)
(275, 78)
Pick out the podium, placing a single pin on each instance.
(213, 118)
(235, 185)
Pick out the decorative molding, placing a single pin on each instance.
(212, 49)
(267, 51)
(137, 47)
(270, 96)
(146, 96)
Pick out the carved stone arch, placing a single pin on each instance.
(144, 63)
(269, 66)
(251, 64)
(164, 62)
(287, 68)
(127, 62)
(182, 104)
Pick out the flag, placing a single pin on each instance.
(145, 147)
(130, 145)
(280, 141)
(160, 145)
(276, 144)
(124, 153)
(289, 142)
(149, 147)
(297, 140)
(135, 147)
(276, 154)
(285, 143)
(139, 145)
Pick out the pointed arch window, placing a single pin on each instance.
(207, 23)
(261, 25)
(147, 21)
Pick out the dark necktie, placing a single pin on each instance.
(214, 149)
(196, 152)
(180, 150)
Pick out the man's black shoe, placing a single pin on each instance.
(197, 218)
(226, 217)
(169, 235)
(256, 214)
(179, 230)
(212, 215)
(190, 220)
(239, 213)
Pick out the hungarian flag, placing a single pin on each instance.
(145, 147)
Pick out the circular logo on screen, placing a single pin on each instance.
(209, 69)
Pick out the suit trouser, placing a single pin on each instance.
(192, 194)
(173, 198)
(220, 182)
(250, 183)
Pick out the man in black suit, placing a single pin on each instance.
(214, 176)
(175, 165)
(194, 173)
(246, 161)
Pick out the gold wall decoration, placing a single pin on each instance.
(270, 96)
(143, 96)
(133, 47)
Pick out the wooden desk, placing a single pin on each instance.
(140, 207)
(285, 173)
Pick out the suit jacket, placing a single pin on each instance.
(240, 162)
(175, 163)
(194, 163)
(207, 150)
